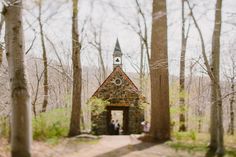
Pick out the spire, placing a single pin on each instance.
(117, 50)
(117, 55)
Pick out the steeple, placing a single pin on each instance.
(117, 50)
(117, 55)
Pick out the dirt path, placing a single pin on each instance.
(107, 146)
(110, 146)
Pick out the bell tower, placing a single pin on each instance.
(117, 55)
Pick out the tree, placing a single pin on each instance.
(216, 124)
(216, 129)
(1, 46)
(96, 42)
(232, 98)
(160, 114)
(231, 77)
(45, 62)
(184, 37)
(77, 75)
(20, 97)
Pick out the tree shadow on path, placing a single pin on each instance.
(127, 149)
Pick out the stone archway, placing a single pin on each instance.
(125, 110)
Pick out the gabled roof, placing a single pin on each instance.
(119, 70)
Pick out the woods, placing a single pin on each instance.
(161, 73)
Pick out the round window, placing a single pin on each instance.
(118, 81)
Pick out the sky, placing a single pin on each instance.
(57, 27)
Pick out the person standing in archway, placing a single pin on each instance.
(146, 127)
(111, 128)
(117, 127)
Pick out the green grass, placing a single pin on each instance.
(51, 125)
(85, 141)
(193, 142)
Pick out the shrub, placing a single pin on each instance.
(98, 113)
(185, 136)
(51, 124)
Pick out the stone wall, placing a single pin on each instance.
(136, 116)
(99, 124)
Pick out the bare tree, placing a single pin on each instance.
(184, 37)
(77, 75)
(160, 114)
(1, 46)
(216, 129)
(96, 42)
(45, 60)
(231, 77)
(20, 97)
(36, 90)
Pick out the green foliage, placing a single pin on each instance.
(192, 147)
(175, 93)
(143, 105)
(182, 136)
(51, 125)
(97, 105)
(193, 142)
(4, 127)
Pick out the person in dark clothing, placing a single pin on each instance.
(117, 127)
(111, 128)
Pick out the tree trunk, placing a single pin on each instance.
(217, 134)
(1, 47)
(20, 97)
(1, 54)
(160, 114)
(45, 61)
(182, 126)
(77, 77)
(103, 69)
(216, 139)
(232, 100)
(141, 69)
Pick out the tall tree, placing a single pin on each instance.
(216, 123)
(20, 97)
(45, 60)
(231, 77)
(1, 46)
(216, 140)
(182, 121)
(160, 114)
(77, 77)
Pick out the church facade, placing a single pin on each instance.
(122, 95)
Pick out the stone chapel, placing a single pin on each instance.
(121, 94)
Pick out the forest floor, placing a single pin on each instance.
(112, 146)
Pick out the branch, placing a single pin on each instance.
(206, 62)
(31, 45)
